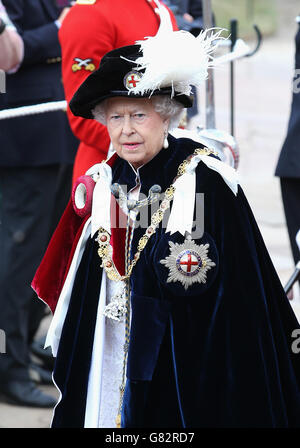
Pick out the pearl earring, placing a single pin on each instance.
(166, 143)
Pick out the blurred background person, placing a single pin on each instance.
(11, 44)
(36, 162)
(104, 25)
(189, 14)
(288, 166)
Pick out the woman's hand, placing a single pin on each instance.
(188, 17)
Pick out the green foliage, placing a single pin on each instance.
(263, 13)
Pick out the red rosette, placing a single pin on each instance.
(82, 195)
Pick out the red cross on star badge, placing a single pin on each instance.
(188, 262)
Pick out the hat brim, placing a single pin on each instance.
(85, 109)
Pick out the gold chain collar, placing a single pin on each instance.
(103, 237)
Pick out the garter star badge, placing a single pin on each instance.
(188, 262)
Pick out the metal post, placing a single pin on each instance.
(250, 9)
(210, 100)
(293, 279)
(233, 34)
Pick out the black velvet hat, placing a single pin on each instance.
(116, 76)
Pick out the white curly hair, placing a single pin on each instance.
(165, 106)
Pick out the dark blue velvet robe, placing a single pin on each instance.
(215, 355)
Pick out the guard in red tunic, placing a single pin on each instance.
(91, 29)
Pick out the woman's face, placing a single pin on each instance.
(136, 130)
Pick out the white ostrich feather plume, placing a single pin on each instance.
(175, 59)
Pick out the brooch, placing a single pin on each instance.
(188, 262)
(116, 309)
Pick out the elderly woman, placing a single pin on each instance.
(167, 309)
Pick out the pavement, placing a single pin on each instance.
(262, 105)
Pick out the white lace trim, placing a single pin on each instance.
(112, 365)
(107, 364)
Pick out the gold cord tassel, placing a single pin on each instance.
(118, 421)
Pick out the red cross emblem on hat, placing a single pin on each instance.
(132, 79)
